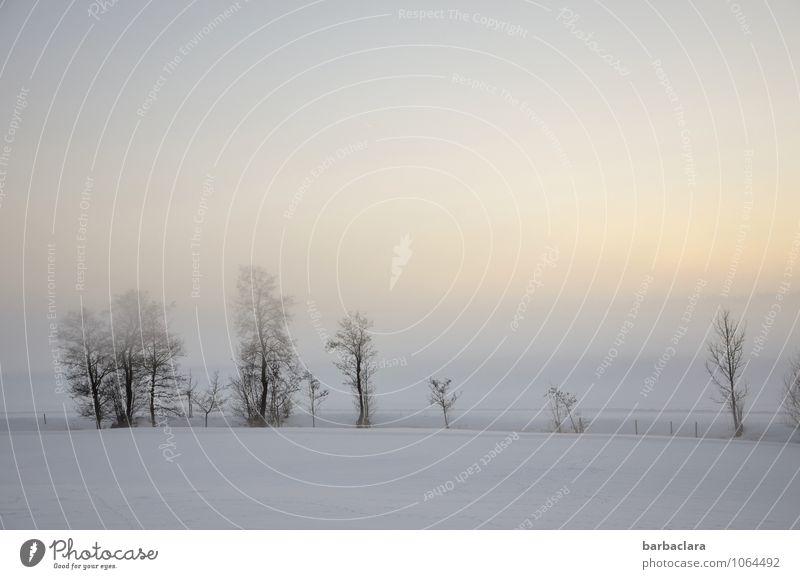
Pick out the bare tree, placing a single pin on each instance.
(562, 406)
(441, 396)
(316, 396)
(356, 360)
(726, 365)
(266, 352)
(791, 382)
(160, 354)
(211, 400)
(88, 361)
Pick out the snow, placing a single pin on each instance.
(759, 426)
(299, 477)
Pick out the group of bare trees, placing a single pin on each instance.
(726, 365)
(268, 372)
(122, 361)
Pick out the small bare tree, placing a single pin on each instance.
(791, 398)
(356, 360)
(441, 396)
(726, 365)
(562, 406)
(316, 396)
(211, 400)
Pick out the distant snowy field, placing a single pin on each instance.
(389, 477)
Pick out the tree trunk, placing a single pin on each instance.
(152, 406)
(153, 397)
(361, 415)
(129, 397)
(737, 417)
(262, 403)
(98, 417)
(572, 421)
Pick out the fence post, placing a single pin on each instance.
(45, 417)
(636, 426)
(695, 429)
(670, 427)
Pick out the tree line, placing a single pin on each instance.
(123, 362)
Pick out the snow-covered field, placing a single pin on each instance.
(388, 477)
(759, 426)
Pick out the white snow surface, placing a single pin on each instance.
(395, 478)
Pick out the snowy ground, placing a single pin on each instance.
(391, 478)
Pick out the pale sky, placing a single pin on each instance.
(606, 165)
